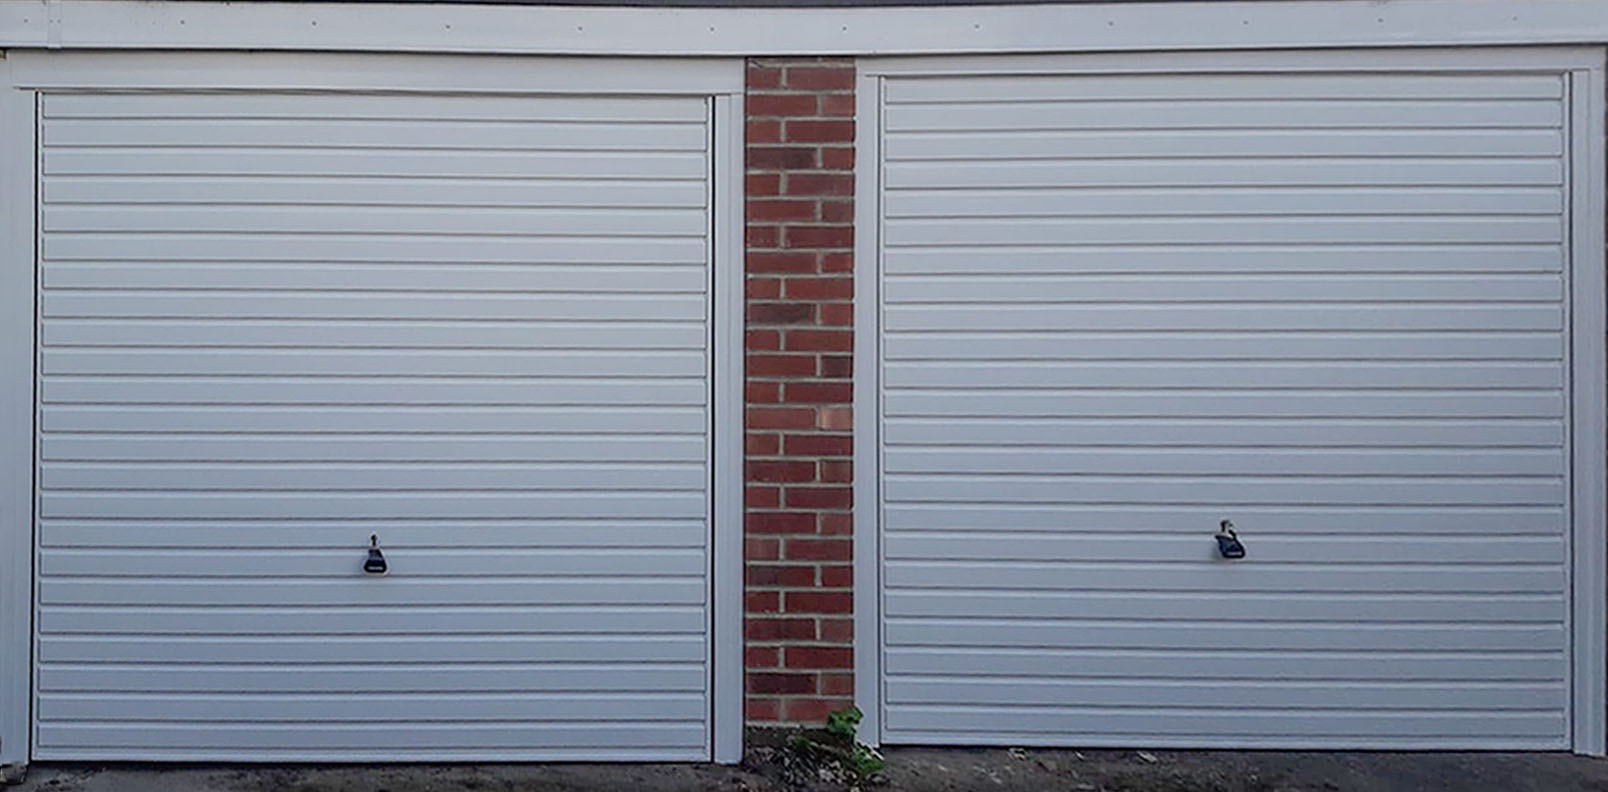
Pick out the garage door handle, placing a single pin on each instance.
(375, 565)
(1228, 543)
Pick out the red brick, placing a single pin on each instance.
(758, 184)
(819, 341)
(837, 684)
(762, 601)
(783, 104)
(762, 549)
(762, 392)
(762, 77)
(781, 522)
(835, 366)
(780, 629)
(837, 524)
(818, 550)
(837, 211)
(817, 657)
(762, 497)
(812, 710)
(837, 314)
(818, 497)
(837, 158)
(818, 392)
(781, 210)
(770, 158)
(837, 630)
(756, 444)
(834, 418)
(837, 104)
(837, 471)
(762, 656)
(761, 237)
(781, 365)
(756, 709)
(836, 576)
(818, 131)
(818, 445)
(763, 288)
(763, 340)
(824, 78)
(819, 288)
(837, 262)
(780, 417)
(790, 576)
(781, 471)
(762, 132)
(818, 236)
(780, 261)
(819, 184)
(819, 602)
(782, 684)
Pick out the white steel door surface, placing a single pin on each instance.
(1329, 307)
(275, 324)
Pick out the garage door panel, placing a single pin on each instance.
(506, 391)
(1338, 171)
(270, 161)
(1370, 695)
(663, 279)
(358, 708)
(371, 191)
(356, 741)
(361, 648)
(967, 346)
(273, 326)
(1117, 309)
(368, 220)
(1238, 289)
(373, 248)
(336, 620)
(211, 107)
(1362, 546)
(1227, 230)
(1133, 259)
(1196, 87)
(343, 133)
(1033, 114)
(1219, 201)
(1225, 634)
(1251, 607)
(376, 678)
(1120, 665)
(433, 533)
(1227, 317)
(1234, 723)
(530, 590)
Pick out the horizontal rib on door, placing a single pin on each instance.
(272, 326)
(1118, 309)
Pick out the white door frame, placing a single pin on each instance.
(1581, 67)
(26, 73)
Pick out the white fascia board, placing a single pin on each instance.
(571, 30)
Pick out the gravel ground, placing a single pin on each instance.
(934, 769)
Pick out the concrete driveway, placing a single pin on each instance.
(939, 770)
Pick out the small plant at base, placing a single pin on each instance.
(839, 741)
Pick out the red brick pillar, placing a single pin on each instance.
(800, 232)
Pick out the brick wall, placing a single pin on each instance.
(800, 235)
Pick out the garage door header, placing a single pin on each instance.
(570, 30)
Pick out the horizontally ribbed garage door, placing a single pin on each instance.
(474, 327)
(1330, 307)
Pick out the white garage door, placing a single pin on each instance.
(1328, 307)
(274, 325)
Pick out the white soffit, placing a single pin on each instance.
(531, 29)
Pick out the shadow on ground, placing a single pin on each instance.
(909, 770)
